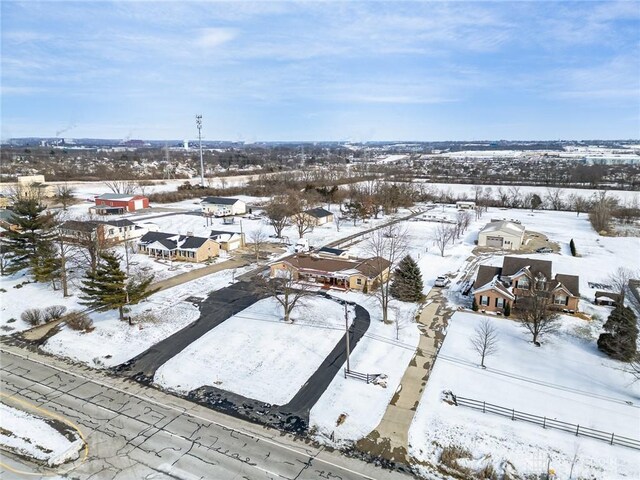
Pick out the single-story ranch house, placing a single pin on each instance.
(222, 206)
(608, 298)
(342, 273)
(116, 203)
(178, 247)
(495, 287)
(318, 216)
(501, 234)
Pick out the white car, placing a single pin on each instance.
(441, 282)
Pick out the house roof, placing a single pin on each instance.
(486, 275)
(367, 267)
(318, 212)
(192, 242)
(571, 282)
(117, 196)
(512, 265)
(120, 223)
(151, 237)
(6, 214)
(503, 226)
(220, 200)
(495, 285)
(80, 226)
(616, 297)
(331, 251)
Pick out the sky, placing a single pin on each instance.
(321, 70)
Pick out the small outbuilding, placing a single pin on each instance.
(223, 206)
(502, 234)
(319, 216)
(116, 203)
(608, 298)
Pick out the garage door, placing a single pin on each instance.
(495, 242)
(138, 204)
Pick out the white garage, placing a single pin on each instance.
(501, 234)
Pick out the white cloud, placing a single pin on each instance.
(214, 37)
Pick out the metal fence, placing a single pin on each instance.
(544, 422)
(365, 377)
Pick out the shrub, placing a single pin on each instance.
(451, 454)
(572, 246)
(507, 309)
(474, 305)
(54, 312)
(33, 316)
(78, 321)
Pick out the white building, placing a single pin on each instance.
(502, 234)
(464, 205)
(222, 206)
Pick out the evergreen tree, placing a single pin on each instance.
(407, 281)
(621, 334)
(474, 304)
(108, 287)
(507, 309)
(32, 224)
(572, 246)
(45, 264)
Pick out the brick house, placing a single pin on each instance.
(518, 277)
(340, 273)
(172, 246)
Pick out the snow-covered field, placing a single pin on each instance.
(379, 351)
(30, 436)
(567, 379)
(255, 354)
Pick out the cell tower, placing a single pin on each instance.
(199, 125)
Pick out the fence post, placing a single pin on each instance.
(612, 438)
(544, 422)
(513, 414)
(483, 407)
(345, 373)
(577, 430)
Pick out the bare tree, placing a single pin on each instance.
(258, 238)
(125, 187)
(304, 223)
(619, 279)
(535, 315)
(515, 199)
(5, 257)
(463, 220)
(278, 211)
(554, 198)
(485, 340)
(287, 292)
(65, 195)
(578, 203)
(387, 246)
(66, 252)
(600, 214)
(633, 367)
(337, 220)
(441, 236)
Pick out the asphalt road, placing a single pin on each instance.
(134, 432)
(217, 308)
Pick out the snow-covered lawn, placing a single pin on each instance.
(567, 379)
(377, 352)
(31, 436)
(114, 341)
(255, 354)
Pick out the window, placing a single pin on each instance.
(560, 300)
(500, 302)
(484, 300)
(358, 281)
(522, 283)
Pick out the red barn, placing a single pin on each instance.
(120, 203)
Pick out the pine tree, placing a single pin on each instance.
(407, 282)
(31, 224)
(474, 304)
(107, 288)
(45, 264)
(506, 310)
(621, 334)
(572, 246)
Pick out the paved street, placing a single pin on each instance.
(134, 432)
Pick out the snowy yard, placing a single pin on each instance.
(567, 379)
(255, 354)
(31, 436)
(377, 352)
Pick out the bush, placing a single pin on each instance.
(450, 456)
(32, 316)
(572, 246)
(78, 321)
(507, 309)
(474, 305)
(54, 312)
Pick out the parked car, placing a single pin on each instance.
(441, 281)
(544, 250)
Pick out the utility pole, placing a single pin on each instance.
(199, 125)
(346, 326)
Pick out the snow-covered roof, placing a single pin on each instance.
(503, 226)
(220, 200)
(495, 284)
(117, 196)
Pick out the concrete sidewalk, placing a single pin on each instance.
(390, 439)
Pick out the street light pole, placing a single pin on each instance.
(199, 125)
(346, 326)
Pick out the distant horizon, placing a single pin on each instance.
(343, 70)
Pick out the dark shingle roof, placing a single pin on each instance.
(512, 265)
(120, 223)
(333, 251)
(151, 237)
(80, 226)
(220, 200)
(318, 212)
(485, 275)
(372, 267)
(193, 242)
(572, 282)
